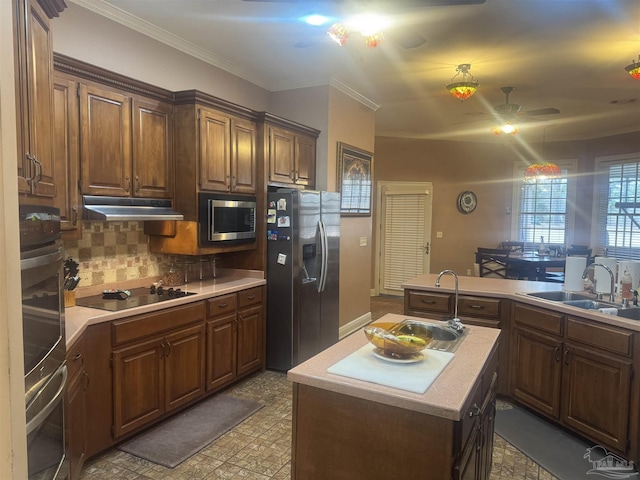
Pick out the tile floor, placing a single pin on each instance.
(260, 447)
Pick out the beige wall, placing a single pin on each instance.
(352, 123)
(13, 442)
(487, 169)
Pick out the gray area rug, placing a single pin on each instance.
(558, 452)
(176, 439)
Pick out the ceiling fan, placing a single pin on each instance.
(509, 111)
(406, 39)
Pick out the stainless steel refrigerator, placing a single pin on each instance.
(303, 258)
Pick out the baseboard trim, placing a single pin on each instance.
(354, 325)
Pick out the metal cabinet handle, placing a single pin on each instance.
(223, 305)
(557, 353)
(476, 307)
(74, 217)
(127, 182)
(566, 357)
(475, 410)
(85, 377)
(137, 184)
(250, 297)
(168, 349)
(37, 169)
(428, 302)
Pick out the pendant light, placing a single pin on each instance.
(634, 69)
(543, 170)
(464, 88)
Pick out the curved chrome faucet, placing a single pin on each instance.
(455, 321)
(612, 297)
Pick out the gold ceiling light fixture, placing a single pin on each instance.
(634, 69)
(543, 170)
(466, 86)
(370, 26)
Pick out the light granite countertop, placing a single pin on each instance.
(78, 318)
(514, 290)
(444, 398)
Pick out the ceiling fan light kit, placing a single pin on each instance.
(508, 128)
(634, 69)
(465, 88)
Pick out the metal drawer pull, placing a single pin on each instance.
(251, 297)
(475, 410)
(476, 307)
(223, 305)
(428, 302)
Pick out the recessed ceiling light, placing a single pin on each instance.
(316, 19)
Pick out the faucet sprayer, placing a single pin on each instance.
(454, 323)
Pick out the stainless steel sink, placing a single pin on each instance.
(589, 304)
(445, 339)
(630, 313)
(560, 296)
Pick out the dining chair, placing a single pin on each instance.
(573, 251)
(491, 261)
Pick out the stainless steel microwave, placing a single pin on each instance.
(226, 218)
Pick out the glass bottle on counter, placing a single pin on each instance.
(542, 248)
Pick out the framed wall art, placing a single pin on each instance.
(355, 177)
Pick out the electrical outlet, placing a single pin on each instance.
(438, 234)
(508, 210)
(363, 241)
(468, 272)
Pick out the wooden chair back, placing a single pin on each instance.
(491, 262)
(512, 246)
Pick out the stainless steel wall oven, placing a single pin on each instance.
(45, 372)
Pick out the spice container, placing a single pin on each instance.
(173, 275)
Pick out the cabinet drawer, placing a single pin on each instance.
(222, 305)
(538, 318)
(605, 337)
(251, 296)
(430, 302)
(143, 326)
(479, 306)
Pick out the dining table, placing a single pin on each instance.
(532, 265)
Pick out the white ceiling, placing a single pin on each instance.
(566, 54)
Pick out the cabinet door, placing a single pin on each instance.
(36, 168)
(66, 154)
(305, 157)
(249, 339)
(222, 352)
(152, 149)
(596, 389)
(467, 468)
(243, 156)
(138, 385)
(184, 366)
(105, 149)
(281, 155)
(215, 151)
(535, 370)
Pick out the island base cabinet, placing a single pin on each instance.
(338, 437)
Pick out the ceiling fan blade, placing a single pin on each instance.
(542, 111)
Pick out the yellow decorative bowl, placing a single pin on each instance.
(398, 340)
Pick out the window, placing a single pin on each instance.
(544, 209)
(617, 229)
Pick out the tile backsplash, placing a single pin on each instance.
(111, 252)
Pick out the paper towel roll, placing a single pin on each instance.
(573, 273)
(602, 277)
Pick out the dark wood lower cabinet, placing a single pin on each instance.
(338, 436)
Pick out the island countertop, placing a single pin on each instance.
(445, 397)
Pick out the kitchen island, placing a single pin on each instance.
(344, 428)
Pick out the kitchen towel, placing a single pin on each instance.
(574, 268)
(602, 277)
(413, 377)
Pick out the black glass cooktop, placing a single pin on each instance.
(135, 297)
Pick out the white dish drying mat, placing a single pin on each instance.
(413, 377)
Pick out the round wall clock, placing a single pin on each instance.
(467, 202)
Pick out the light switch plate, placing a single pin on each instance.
(363, 241)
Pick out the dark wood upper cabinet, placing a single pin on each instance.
(34, 85)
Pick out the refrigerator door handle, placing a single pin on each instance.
(324, 249)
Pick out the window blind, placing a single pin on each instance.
(404, 238)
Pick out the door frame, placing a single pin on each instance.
(378, 223)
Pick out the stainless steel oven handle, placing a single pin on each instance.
(42, 260)
(42, 415)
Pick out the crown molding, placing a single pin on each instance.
(347, 90)
(163, 36)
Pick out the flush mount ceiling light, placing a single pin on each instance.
(634, 69)
(466, 86)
